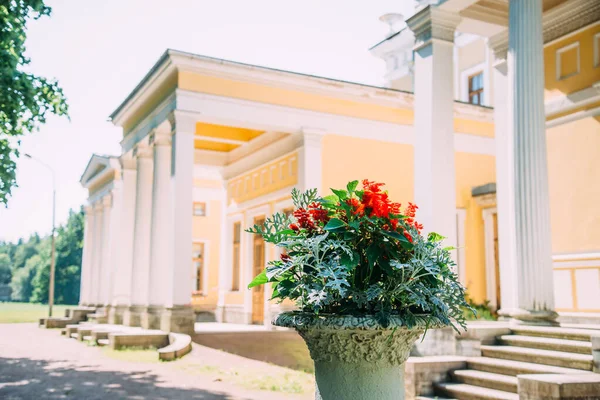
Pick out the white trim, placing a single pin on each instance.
(573, 117)
(580, 98)
(464, 81)
(596, 41)
(559, 53)
(205, 266)
(575, 260)
(268, 117)
(490, 262)
(461, 238)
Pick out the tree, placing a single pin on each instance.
(5, 269)
(24, 251)
(21, 283)
(25, 99)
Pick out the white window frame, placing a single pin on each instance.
(229, 257)
(464, 82)
(596, 40)
(559, 53)
(461, 240)
(490, 262)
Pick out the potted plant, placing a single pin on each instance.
(367, 284)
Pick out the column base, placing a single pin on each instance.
(179, 319)
(526, 317)
(116, 314)
(132, 316)
(151, 317)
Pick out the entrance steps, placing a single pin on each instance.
(170, 346)
(526, 350)
(72, 316)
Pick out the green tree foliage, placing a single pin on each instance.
(30, 277)
(5, 269)
(25, 99)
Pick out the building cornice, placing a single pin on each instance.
(433, 23)
(568, 17)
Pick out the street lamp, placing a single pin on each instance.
(52, 253)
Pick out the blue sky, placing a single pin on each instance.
(99, 50)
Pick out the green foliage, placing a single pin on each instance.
(25, 99)
(355, 253)
(31, 264)
(479, 311)
(5, 269)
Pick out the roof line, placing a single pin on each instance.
(166, 54)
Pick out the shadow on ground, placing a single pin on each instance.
(283, 348)
(24, 378)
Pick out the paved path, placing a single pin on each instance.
(41, 364)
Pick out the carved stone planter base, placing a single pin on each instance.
(355, 358)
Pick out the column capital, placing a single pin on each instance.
(142, 151)
(98, 206)
(183, 121)
(499, 45)
(161, 135)
(107, 200)
(128, 161)
(312, 136)
(89, 209)
(433, 23)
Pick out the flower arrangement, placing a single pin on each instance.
(358, 253)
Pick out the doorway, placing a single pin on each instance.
(492, 257)
(258, 264)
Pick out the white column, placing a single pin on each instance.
(182, 184)
(179, 316)
(526, 121)
(143, 217)
(97, 254)
(122, 279)
(86, 262)
(435, 191)
(106, 269)
(161, 262)
(504, 176)
(310, 171)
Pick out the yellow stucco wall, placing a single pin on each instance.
(574, 181)
(208, 230)
(588, 74)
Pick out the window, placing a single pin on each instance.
(476, 88)
(199, 209)
(235, 273)
(198, 263)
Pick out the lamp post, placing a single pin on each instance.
(53, 251)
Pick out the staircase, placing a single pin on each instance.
(527, 350)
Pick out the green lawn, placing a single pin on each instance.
(28, 312)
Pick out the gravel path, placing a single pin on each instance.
(41, 364)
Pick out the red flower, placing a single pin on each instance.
(285, 258)
(304, 219)
(294, 227)
(408, 236)
(318, 213)
(359, 209)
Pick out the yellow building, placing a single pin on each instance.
(211, 147)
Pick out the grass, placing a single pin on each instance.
(28, 312)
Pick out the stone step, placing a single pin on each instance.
(547, 357)
(102, 342)
(555, 332)
(488, 380)
(462, 391)
(538, 342)
(514, 368)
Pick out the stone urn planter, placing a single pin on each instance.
(356, 358)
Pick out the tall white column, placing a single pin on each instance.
(141, 246)
(504, 176)
(124, 261)
(97, 254)
(86, 262)
(311, 160)
(179, 316)
(526, 121)
(161, 243)
(435, 191)
(106, 270)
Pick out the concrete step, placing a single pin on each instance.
(489, 380)
(547, 357)
(514, 368)
(544, 343)
(555, 332)
(102, 342)
(462, 391)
